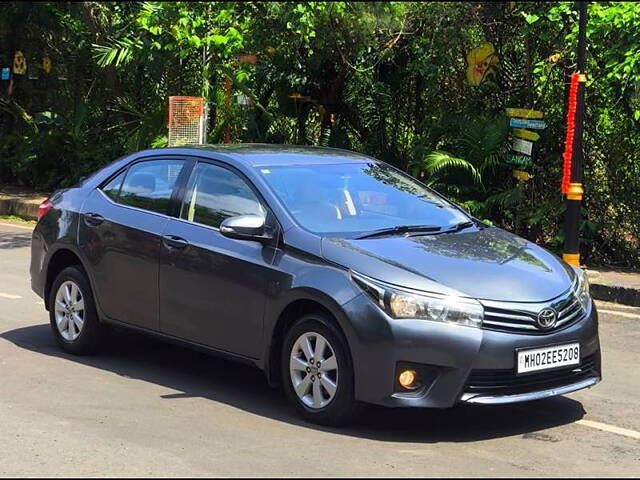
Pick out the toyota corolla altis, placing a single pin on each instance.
(341, 277)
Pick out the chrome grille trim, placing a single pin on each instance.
(521, 317)
(507, 325)
(578, 311)
(561, 313)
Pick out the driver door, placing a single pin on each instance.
(213, 288)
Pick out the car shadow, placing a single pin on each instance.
(10, 240)
(195, 374)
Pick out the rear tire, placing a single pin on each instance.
(316, 369)
(72, 313)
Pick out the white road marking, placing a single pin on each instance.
(622, 314)
(24, 227)
(610, 428)
(603, 304)
(9, 296)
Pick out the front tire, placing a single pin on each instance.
(72, 313)
(317, 372)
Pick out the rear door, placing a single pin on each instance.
(213, 288)
(120, 235)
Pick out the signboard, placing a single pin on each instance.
(526, 134)
(522, 146)
(5, 73)
(524, 113)
(526, 123)
(519, 160)
(19, 64)
(521, 119)
(521, 175)
(480, 62)
(242, 99)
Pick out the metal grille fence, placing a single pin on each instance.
(187, 120)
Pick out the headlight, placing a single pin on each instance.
(582, 289)
(400, 304)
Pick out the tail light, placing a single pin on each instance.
(43, 208)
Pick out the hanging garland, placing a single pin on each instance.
(568, 143)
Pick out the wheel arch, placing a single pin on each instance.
(60, 259)
(302, 301)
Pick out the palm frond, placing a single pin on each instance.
(485, 141)
(439, 163)
(14, 109)
(508, 198)
(119, 53)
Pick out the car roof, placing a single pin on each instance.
(261, 154)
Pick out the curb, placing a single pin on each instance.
(623, 295)
(20, 207)
(17, 225)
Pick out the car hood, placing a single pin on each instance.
(489, 264)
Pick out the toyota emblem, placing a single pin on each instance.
(547, 318)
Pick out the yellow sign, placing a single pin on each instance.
(46, 64)
(479, 61)
(526, 134)
(524, 113)
(19, 64)
(522, 175)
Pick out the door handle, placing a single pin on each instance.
(171, 241)
(93, 219)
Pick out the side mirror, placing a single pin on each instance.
(245, 227)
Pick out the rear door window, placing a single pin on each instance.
(149, 185)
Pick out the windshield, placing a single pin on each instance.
(356, 198)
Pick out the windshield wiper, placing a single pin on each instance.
(457, 227)
(399, 230)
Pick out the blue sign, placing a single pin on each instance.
(526, 123)
(5, 73)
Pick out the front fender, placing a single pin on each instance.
(328, 286)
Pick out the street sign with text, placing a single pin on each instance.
(522, 146)
(524, 113)
(526, 123)
(526, 134)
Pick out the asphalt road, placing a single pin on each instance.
(145, 407)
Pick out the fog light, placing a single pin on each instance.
(407, 378)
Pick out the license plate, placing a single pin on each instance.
(546, 358)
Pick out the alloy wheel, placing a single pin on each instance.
(313, 369)
(69, 310)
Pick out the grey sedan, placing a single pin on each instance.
(341, 277)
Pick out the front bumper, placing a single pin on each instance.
(457, 355)
(525, 397)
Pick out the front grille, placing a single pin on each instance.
(521, 318)
(507, 382)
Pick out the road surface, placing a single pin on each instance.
(147, 408)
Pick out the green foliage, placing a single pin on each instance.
(384, 78)
(437, 162)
